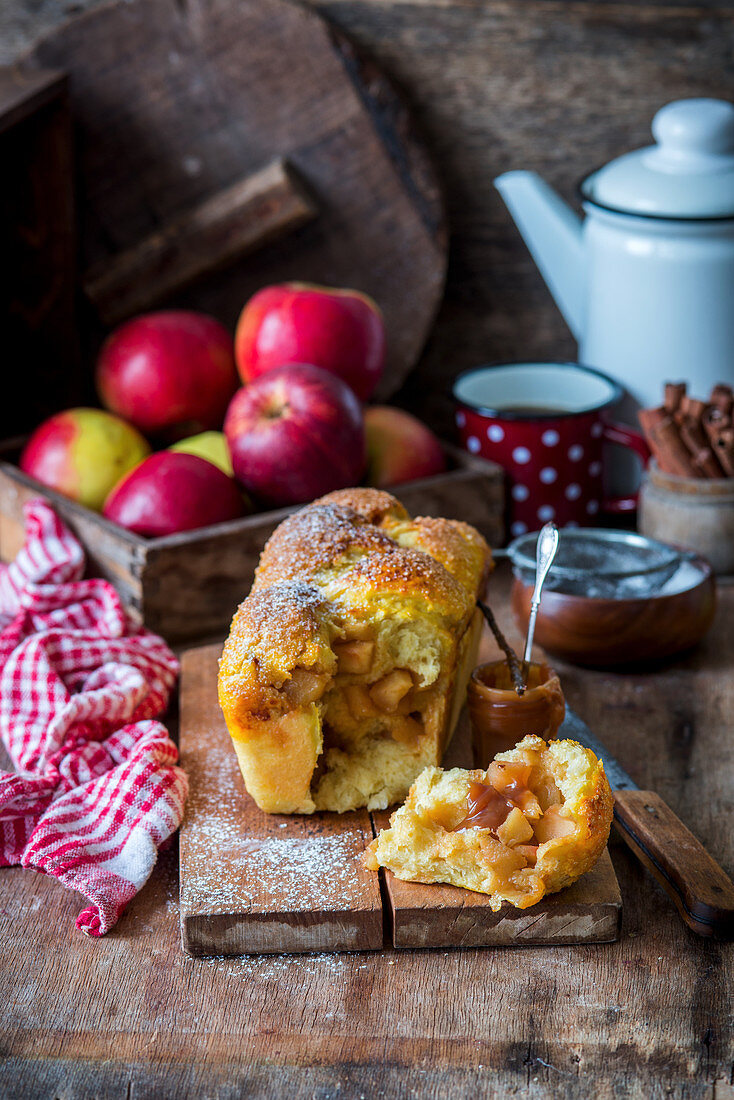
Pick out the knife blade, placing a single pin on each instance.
(702, 892)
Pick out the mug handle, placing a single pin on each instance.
(624, 436)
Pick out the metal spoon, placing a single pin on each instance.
(545, 552)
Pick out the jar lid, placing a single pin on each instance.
(688, 173)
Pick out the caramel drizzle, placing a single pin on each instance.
(487, 808)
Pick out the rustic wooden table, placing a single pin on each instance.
(649, 1017)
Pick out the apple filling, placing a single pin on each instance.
(518, 816)
(375, 709)
(305, 686)
(368, 698)
(382, 710)
(355, 657)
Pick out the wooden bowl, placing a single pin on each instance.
(602, 632)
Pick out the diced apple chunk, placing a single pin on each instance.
(305, 686)
(387, 692)
(515, 829)
(511, 778)
(357, 632)
(553, 824)
(407, 731)
(355, 656)
(500, 858)
(359, 702)
(546, 791)
(505, 773)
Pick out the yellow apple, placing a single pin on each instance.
(209, 445)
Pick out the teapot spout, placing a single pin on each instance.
(553, 234)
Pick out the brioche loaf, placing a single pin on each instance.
(346, 667)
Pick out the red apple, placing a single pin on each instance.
(399, 447)
(171, 372)
(295, 434)
(339, 330)
(172, 492)
(82, 453)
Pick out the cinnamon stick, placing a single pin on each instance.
(722, 396)
(649, 420)
(694, 437)
(690, 408)
(513, 662)
(689, 437)
(725, 450)
(665, 442)
(674, 393)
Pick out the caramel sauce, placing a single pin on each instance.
(490, 803)
(486, 808)
(500, 717)
(515, 790)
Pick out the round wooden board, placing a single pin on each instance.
(174, 100)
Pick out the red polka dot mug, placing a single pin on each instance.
(545, 424)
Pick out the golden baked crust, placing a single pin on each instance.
(346, 666)
(555, 831)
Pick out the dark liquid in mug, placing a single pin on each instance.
(532, 410)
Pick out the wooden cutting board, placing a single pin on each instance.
(178, 107)
(264, 883)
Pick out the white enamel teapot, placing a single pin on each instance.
(646, 280)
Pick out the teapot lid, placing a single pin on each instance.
(688, 173)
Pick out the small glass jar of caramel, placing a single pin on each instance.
(500, 717)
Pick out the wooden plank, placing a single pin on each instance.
(589, 911)
(23, 93)
(254, 882)
(247, 215)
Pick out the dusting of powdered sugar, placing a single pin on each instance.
(284, 864)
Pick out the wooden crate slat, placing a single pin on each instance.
(247, 215)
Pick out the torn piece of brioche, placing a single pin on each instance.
(346, 667)
(534, 822)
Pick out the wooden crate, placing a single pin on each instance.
(187, 586)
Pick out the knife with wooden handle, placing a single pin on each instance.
(702, 892)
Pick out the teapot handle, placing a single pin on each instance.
(624, 436)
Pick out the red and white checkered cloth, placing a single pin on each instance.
(96, 790)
